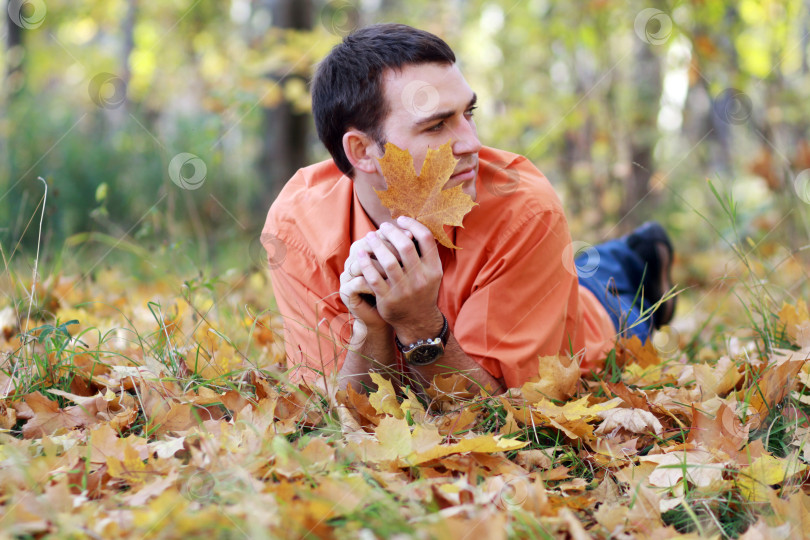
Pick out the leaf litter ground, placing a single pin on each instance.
(134, 409)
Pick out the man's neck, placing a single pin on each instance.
(370, 202)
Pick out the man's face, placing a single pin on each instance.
(430, 104)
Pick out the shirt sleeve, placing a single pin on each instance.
(317, 326)
(524, 302)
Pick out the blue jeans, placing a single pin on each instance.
(613, 273)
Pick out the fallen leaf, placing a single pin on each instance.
(766, 471)
(423, 197)
(48, 417)
(8, 416)
(384, 399)
(772, 387)
(797, 323)
(575, 410)
(482, 443)
(105, 443)
(698, 467)
(724, 432)
(717, 380)
(632, 420)
(132, 469)
(359, 407)
(557, 378)
(534, 459)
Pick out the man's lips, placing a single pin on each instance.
(464, 175)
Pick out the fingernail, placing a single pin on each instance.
(385, 225)
(402, 220)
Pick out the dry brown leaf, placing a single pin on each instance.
(359, 406)
(797, 323)
(717, 380)
(631, 350)
(178, 417)
(8, 416)
(772, 388)
(48, 417)
(632, 398)
(423, 197)
(534, 459)
(699, 467)
(632, 420)
(448, 389)
(724, 432)
(105, 443)
(457, 421)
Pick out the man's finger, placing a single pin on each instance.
(375, 280)
(407, 250)
(423, 237)
(385, 255)
(354, 270)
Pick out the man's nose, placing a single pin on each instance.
(466, 139)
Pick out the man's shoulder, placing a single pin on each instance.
(311, 191)
(311, 212)
(314, 180)
(508, 180)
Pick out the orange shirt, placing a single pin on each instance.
(510, 293)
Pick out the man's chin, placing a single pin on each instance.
(469, 188)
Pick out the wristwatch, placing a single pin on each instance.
(425, 351)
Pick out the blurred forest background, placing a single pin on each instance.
(171, 126)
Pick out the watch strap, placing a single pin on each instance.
(441, 337)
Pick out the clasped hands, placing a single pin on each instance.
(405, 282)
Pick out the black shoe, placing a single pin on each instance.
(651, 242)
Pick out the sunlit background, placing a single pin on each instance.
(169, 127)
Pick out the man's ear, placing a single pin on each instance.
(361, 150)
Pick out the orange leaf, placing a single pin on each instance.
(797, 323)
(48, 417)
(423, 197)
(724, 432)
(772, 388)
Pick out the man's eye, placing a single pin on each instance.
(470, 112)
(437, 127)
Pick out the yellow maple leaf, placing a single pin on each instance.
(423, 197)
(384, 400)
(132, 468)
(574, 410)
(482, 443)
(765, 471)
(394, 437)
(557, 378)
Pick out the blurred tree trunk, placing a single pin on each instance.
(643, 135)
(14, 56)
(13, 84)
(128, 45)
(284, 147)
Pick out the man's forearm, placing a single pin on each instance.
(375, 353)
(454, 359)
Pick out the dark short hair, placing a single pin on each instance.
(347, 89)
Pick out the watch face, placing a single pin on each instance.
(425, 354)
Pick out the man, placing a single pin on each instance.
(360, 291)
